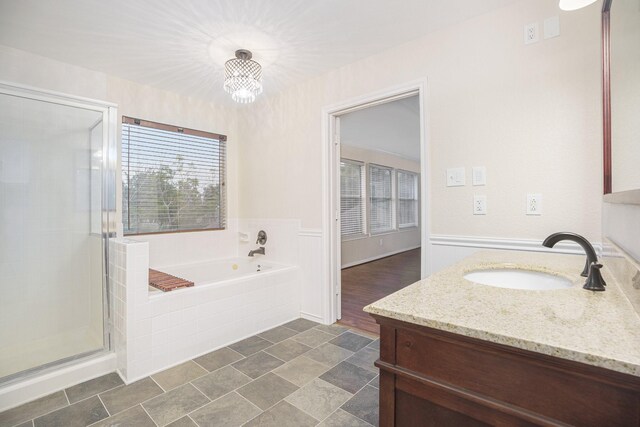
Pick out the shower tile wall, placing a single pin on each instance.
(154, 332)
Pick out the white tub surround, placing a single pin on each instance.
(154, 331)
(595, 328)
(217, 272)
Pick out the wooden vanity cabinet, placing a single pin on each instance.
(430, 377)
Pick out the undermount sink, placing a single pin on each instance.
(518, 279)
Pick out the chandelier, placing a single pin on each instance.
(243, 77)
(574, 4)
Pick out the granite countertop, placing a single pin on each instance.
(596, 328)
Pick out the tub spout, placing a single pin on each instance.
(257, 251)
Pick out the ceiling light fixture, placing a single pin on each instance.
(243, 77)
(574, 4)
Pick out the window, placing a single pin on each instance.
(173, 179)
(407, 199)
(381, 198)
(352, 193)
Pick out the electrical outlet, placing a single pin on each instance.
(380, 242)
(534, 204)
(479, 205)
(531, 33)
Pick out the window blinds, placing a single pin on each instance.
(381, 198)
(407, 199)
(173, 179)
(352, 193)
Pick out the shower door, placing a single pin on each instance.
(54, 227)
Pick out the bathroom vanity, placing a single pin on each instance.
(458, 353)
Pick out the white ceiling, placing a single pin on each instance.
(393, 127)
(182, 45)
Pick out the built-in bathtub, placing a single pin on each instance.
(219, 271)
(231, 300)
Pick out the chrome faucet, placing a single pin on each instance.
(257, 251)
(591, 270)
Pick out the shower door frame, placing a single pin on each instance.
(109, 113)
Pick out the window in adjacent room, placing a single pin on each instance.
(381, 212)
(352, 198)
(407, 199)
(173, 179)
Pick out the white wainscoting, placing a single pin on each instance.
(448, 249)
(383, 255)
(314, 289)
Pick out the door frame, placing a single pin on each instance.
(331, 239)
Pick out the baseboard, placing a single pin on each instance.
(311, 317)
(373, 258)
(508, 244)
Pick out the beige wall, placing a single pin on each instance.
(530, 114)
(152, 104)
(370, 247)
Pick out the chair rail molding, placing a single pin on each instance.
(504, 243)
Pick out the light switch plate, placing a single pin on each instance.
(456, 177)
(551, 27)
(479, 205)
(479, 175)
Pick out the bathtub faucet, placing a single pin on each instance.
(257, 251)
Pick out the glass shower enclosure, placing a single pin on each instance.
(57, 212)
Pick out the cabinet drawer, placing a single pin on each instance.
(519, 378)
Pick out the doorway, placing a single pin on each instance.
(377, 184)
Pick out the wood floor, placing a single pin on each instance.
(366, 283)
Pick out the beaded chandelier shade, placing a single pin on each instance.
(243, 77)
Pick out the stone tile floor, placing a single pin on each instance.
(299, 374)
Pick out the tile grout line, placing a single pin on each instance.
(195, 409)
(33, 420)
(148, 414)
(161, 388)
(362, 388)
(320, 421)
(103, 405)
(318, 377)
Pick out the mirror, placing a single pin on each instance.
(621, 87)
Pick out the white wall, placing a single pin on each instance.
(370, 247)
(530, 114)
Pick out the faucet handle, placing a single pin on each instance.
(262, 237)
(595, 282)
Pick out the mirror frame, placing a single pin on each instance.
(606, 94)
(629, 196)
